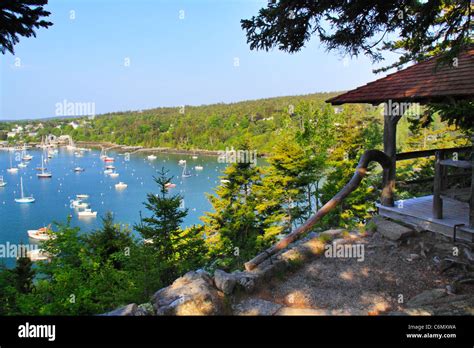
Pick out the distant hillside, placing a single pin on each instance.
(211, 127)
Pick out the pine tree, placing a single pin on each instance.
(109, 239)
(24, 273)
(290, 189)
(174, 248)
(234, 231)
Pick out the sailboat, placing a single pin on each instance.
(2, 182)
(12, 169)
(26, 156)
(42, 168)
(186, 174)
(43, 174)
(24, 199)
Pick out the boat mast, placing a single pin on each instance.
(21, 187)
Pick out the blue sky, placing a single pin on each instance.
(173, 61)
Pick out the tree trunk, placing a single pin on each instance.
(361, 170)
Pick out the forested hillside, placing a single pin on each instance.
(212, 127)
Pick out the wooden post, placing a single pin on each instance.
(437, 187)
(471, 202)
(390, 149)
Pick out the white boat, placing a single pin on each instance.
(12, 169)
(38, 255)
(199, 167)
(108, 171)
(185, 173)
(114, 175)
(22, 165)
(121, 185)
(78, 169)
(43, 233)
(25, 155)
(24, 199)
(87, 213)
(82, 196)
(43, 174)
(109, 167)
(181, 162)
(3, 183)
(170, 185)
(152, 157)
(195, 157)
(77, 203)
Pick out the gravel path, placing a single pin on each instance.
(390, 275)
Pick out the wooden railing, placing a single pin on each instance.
(430, 153)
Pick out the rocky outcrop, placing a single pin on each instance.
(224, 281)
(192, 294)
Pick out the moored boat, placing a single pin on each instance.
(121, 185)
(24, 199)
(44, 233)
(87, 213)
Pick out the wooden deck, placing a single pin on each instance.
(418, 212)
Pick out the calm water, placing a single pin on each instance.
(53, 196)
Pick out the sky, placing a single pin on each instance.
(138, 54)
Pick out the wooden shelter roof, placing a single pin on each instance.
(423, 82)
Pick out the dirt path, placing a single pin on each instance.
(390, 275)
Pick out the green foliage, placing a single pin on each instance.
(422, 28)
(210, 127)
(20, 18)
(314, 152)
(358, 131)
(234, 231)
(175, 249)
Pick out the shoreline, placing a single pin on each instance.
(138, 149)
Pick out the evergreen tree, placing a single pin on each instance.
(234, 230)
(24, 273)
(20, 18)
(423, 28)
(8, 292)
(109, 240)
(175, 249)
(355, 135)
